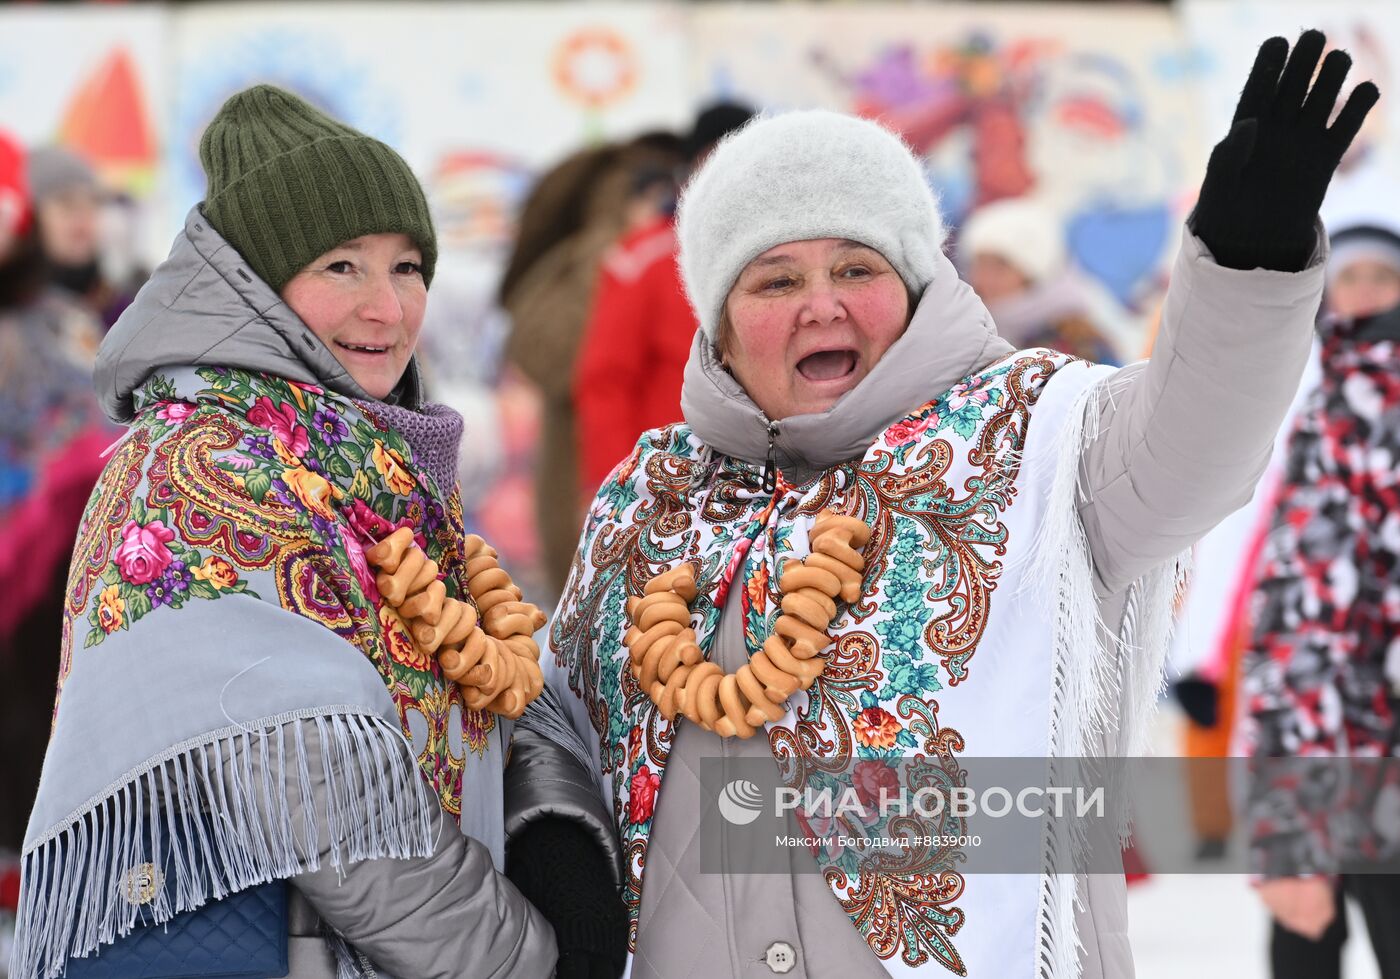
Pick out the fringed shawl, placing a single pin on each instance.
(218, 593)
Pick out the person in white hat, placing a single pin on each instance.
(885, 541)
(1014, 256)
(1363, 277)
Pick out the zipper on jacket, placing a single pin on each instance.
(770, 465)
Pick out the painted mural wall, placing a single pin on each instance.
(1092, 111)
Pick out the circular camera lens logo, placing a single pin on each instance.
(740, 802)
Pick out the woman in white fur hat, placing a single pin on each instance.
(1014, 256)
(835, 560)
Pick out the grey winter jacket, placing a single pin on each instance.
(446, 916)
(450, 914)
(1182, 440)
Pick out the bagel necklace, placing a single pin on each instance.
(496, 664)
(667, 662)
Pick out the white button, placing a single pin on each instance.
(781, 957)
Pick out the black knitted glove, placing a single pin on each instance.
(1199, 698)
(562, 871)
(1266, 179)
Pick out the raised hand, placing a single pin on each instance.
(1266, 179)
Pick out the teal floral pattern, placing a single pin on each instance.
(933, 488)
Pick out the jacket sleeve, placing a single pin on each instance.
(611, 370)
(449, 915)
(547, 777)
(562, 850)
(1183, 437)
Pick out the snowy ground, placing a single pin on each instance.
(1212, 926)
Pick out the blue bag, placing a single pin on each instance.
(244, 936)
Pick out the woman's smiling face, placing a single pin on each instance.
(806, 321)
(365, 299)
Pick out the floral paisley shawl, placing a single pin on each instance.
(245, 477)
(933, 564)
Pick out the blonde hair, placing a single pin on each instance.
(724, 332)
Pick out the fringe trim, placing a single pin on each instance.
(349, 964)
(1148, 624)
(1103, 683)
(548, 717)
(214, 822)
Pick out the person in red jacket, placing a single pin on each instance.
(638, 337)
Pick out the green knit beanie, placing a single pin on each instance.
(288, 183)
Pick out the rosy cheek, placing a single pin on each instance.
(328, 319)
(414, 311)
(762, 331)
(882, 315)
(321, 307)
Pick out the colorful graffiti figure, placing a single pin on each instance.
(970, 108)
(974, 87)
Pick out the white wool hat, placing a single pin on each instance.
(1362, 242)
(1022, 231)
(796, 177)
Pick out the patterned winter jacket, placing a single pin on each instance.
(1323, 670)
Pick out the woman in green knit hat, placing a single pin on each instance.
(255, 688)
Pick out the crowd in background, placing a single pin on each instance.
(56, 299)
(601, 326)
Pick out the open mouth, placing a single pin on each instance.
(362, 348)
(828, 365)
